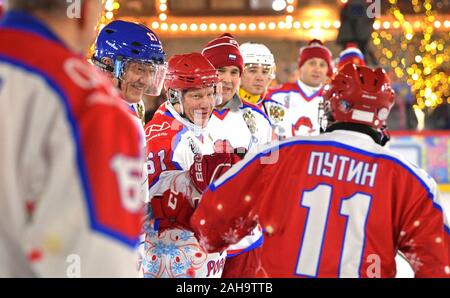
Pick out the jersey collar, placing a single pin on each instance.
(308, 91)
(235, 103)
(349, 128)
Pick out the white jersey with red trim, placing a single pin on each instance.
(293, 110)
(71, 161)
(243, 125)
(172, 143)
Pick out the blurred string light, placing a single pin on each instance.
(290, 9)
(286, 24)
(110, 8)
(426, 53)
(162, 9)
(279, 5)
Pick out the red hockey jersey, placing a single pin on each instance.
(334, 205)
(71, 161)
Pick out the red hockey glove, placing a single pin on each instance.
(172, 209)
(207, 168)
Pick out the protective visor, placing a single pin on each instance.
(266, 70)
(149, 75)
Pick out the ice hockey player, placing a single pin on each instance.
(69, 197)
(181, 164)
(294, 108)
(347, 204)
(259, 71)
(132, 56)
(236, 124)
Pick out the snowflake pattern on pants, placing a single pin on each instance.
(175, 253)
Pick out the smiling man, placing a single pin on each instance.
(133, 56)
(239, 124)
(181, 161)
(294, 108)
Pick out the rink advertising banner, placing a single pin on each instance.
(429, 150)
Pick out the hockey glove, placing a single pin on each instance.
(207, 168)
(172, 210)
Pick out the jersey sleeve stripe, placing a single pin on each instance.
(175, 145)
(256, 110)
(82, 172)
(236, 252)
(266, 150)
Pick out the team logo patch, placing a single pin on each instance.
(250, 120)
(276, 113)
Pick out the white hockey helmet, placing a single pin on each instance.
(256, 53)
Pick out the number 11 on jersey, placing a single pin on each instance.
(355, 209)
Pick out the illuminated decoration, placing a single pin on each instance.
(110, 7)
(285, 23)
(290, 9)
(417, 54)
(279, 5)
(318, 21)
(162, 7)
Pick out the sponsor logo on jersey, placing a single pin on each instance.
(215, 267)
(155, 130)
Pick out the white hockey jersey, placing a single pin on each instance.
(293, 110)
(172, 143)
(243, 125)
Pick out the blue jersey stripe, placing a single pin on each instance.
(81, 165)
(335, 144)
(257, 110)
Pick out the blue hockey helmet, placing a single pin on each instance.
(124, 42)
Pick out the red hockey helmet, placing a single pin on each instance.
(359, 94)
(189, 71)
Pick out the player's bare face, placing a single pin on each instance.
(256, 78)
(198, 105)
(136, 80)
(230, 77)
(313, 72)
